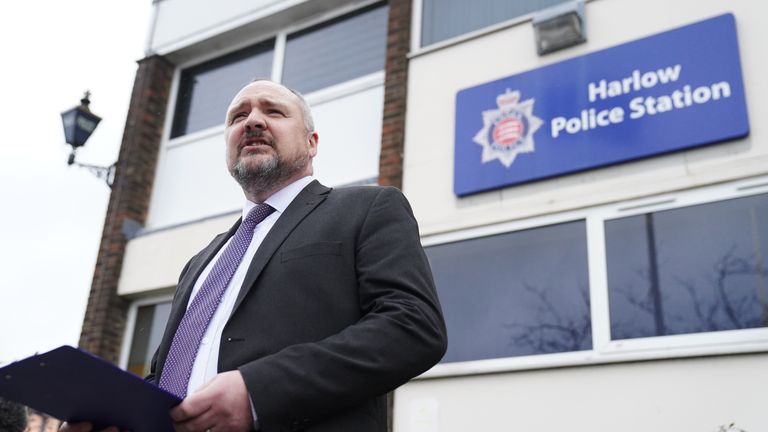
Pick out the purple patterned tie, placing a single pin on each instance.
(186, 341)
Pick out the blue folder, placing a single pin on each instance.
(74, 385)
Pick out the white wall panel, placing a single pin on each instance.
(698, 394)
(180, 20)
(154, 261)
(350, 137)
(192, 183)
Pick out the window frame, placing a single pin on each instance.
(604, 350)
(178, 81)
(280, 37)
(498, 230)
(361, 9)
(130, 324)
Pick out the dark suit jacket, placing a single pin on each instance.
(338, 308)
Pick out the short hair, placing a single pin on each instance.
(13, 417)
(306, 111)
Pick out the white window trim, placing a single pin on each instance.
(346, 88)
(170, 112)
(278, 58)
(603, 349)
(417, 12)
(130, 323)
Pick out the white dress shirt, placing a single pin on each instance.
(206, 363)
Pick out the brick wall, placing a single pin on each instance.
(393, 125)
(105, 315)
(395, 91)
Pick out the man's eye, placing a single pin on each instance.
(239, 116)
(275, 112)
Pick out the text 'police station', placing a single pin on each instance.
(640, 106)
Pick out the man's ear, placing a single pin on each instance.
(312, 139)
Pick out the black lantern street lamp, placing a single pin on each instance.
(79, 123)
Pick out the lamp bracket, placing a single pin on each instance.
(105, 173)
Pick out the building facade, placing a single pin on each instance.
(596, 217)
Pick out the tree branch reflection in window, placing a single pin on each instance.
(689, 270)
(515, 294)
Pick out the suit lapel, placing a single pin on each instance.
(304, 203)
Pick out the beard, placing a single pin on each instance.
(266, 174)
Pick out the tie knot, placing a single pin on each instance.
(257, 214)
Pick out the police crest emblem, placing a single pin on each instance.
(508, 130)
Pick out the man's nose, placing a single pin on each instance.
(255, 121)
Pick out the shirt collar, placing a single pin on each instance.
(282, 198)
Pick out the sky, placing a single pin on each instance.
(52, 214)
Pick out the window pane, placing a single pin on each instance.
(206, 90)
(337, 51)
(444, 19)
(695, 269)
(515, 294)
(147, 331)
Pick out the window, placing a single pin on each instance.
(444, 19)
(326, 54)
(146, 334)
(501, 297)
(205, 90)
(336, 51)
(680, 275)
(695, 269)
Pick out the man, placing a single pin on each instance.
(331, 306)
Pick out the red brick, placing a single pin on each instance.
(395, 89)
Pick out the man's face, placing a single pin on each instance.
(266, 137)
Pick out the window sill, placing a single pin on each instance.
(743, 342)
(195, 136)
(346, 88)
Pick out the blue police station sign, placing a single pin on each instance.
(671, 91)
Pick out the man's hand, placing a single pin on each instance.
(83, 427)
(222, 405)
